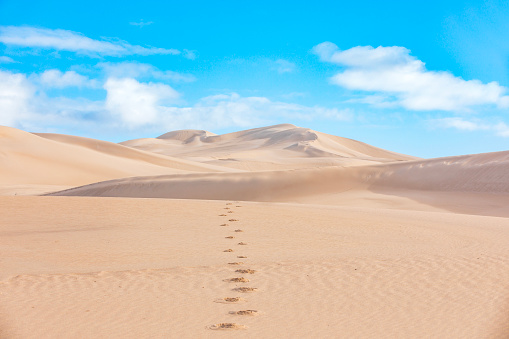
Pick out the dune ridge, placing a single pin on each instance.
(59, 160)
(283, 146)
(475, 174)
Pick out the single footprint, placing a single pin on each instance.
(250, 271)
(227, 326)
(241, 279)
(235, 263)
(230, 300)
(230, 211)
(229, 203)
(227, 208)
(242, 243)
(241, 256)
(229, 237)
(228, 250)
(232, 220)
(239, 230)
(245, 289)
(222, 215)
(223, 225)
(245, 312)
(238, 206)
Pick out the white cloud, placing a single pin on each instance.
(143, 71)
(141, 24)
(64, 40)
(225, 110)
(6, 60)
(461, 124)
(24, 105)
(500, 129)
(15, 94)
(56, 79)
(132, 104)
(284, 66)
(135, 103)
(392, 72)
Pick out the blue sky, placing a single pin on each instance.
(428, 80)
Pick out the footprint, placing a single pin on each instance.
(238, 206)
(231, 300)
(229, 203)
(239, 230)
(235, 263)
(241, 279)
(230, 211)
(242, 243)
(241, 256)
(223, 225)
(222, 215)
(227, 326)
(245, 289)
(227, 208)
(250, 271)
(245, 312)
(229, 237)
(228, 250)
(232, 220)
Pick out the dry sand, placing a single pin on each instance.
(280, 245)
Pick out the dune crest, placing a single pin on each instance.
(277, 147)
(46, 160)
(480, 179)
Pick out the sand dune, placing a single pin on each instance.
(268, 148)
(469, 176)
(275, 232)
(47, 159)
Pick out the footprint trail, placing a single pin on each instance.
(237, 280)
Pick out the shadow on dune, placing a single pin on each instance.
(473, 184)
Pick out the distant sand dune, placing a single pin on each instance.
(60, 160)
(267, 148)
(470, 174)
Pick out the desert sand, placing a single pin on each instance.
(275, 232)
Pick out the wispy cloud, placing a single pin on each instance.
(142, 71)
(293, 95)
(141, 24)
(64, 40)
(189, 54)
(500, 128)
(284, 66)
(6, 60)
(393, 73)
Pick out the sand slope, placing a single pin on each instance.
(267, 148)
(469, 177)
(48, 159)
